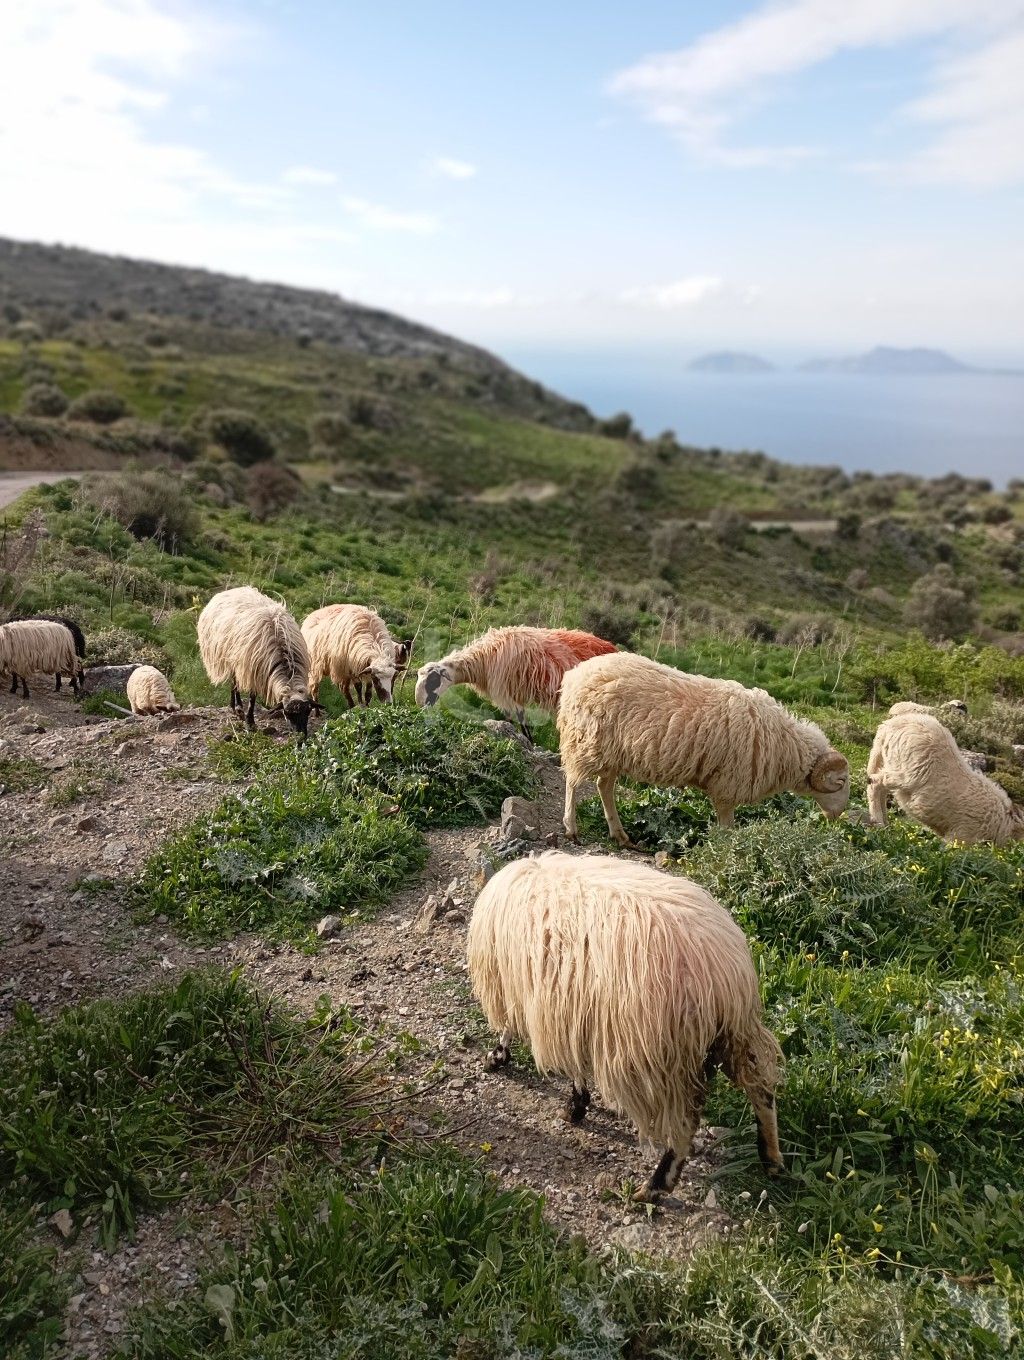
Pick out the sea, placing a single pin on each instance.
(971, 423)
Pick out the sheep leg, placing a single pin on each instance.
(347, 693)
(24, 688)
(14, 683)
(725, 813)
(878, 801)
(236, 698)
(572, 795)
(57, 685)
(250, 716)
(501, 1055)
(666, 1174)
(523, 725)
(767, 1129)
(577, 1104)
(606, 788)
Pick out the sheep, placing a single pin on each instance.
(351, 645)
(28, 646)
(628, 715)
(515, 668)
(149, 692)
(950, 706)
(253, 642)
(916, 760)
(73, 628)
(630, 978)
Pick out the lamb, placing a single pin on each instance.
(628, 715)
(515, 668)
(950, 706)
(149, 692)
(253, 642)
(916, 760)
(351, 645)
(29, 646)
(73, 628)
(629, 978)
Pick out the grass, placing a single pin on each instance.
(30, 1294)
(117, 1108)
(333, 826)
(18, 774)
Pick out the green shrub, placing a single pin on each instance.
(122, 647)
(242, 436)
(941, 606)
(30, 1297)
(44, 399)
(150, 505)
(99, 407)
(330, 431)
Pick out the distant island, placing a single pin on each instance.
(885, 359)
(730, 361)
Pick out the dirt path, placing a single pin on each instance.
(12, 484)
(64, 940)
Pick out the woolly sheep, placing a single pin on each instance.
(32, 646)
(350, 644)
(916, 760)
(253, 642)
(149, 691)
(950, 706)
(628, 715)
(73, 628)
(515, 668)
(631, 979)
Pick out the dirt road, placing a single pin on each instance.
(12, 484)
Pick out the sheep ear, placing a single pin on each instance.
(829, 773)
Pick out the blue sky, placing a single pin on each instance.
(796, 177)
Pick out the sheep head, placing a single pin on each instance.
(829, 782)
(431, 682)
(381, 675)
(296, 708)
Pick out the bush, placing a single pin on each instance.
(44, 399)
(329, 430)
(242, 437)
(619, 426)
(610, 622)
(270, 488)
(151, 505)
(371, 412)
(940, 605)
(98, 406)
(728, 527)
(121, 647)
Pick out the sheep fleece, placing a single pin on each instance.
(343, 641)
(149, 691)
(248, 638)
(33, 647)
(621, 976)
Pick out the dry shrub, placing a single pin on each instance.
(270, 488)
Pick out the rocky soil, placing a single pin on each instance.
(64, 937)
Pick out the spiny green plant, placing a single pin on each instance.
(30, 1295)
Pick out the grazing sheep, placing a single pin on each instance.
(628, 715)
(351, 645)
(149, 692)
(631, 979)
(916, 760)
(253, 642)
(73, 628)
(515, 668)
(950, 706)
(31, 646)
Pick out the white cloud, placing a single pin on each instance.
(680, 293)
(378, 217)
(701, 92)
(309, 175)
(451, 168)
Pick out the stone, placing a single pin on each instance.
(114, 851)
(979, 761)
(662, 859)
(519, 819)
(63, 1222)
(113, 678)
(711, 1200)
(328, 926)
(428, 916)
(507, 731)
(633, 1236)
(87, 823)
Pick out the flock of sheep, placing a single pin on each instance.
(616, 973)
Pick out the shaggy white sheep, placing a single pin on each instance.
(633, 980)
(628, 715)
(916, 760)
(252, 641)
(350, 644)
(515, 668)
(149, 691)
(34, 646)
(907, 706)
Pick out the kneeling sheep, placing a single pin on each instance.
(149, 692)
(632, 979)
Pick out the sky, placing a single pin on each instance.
(794, 177)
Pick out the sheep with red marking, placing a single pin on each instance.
(38, 646)
(515, 668)
(251, 641)
(631, 979)
(628, 715)
(350, 644)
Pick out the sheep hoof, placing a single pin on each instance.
(647, 1195)
(497, 1058)
(572, 838)
(576, 1107)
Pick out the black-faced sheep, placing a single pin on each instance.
(916, 760)
(251, 641)
(350, 644)
(515, 668)
(628, 715)
(34, 646)
(630, 979)
(149, 692)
